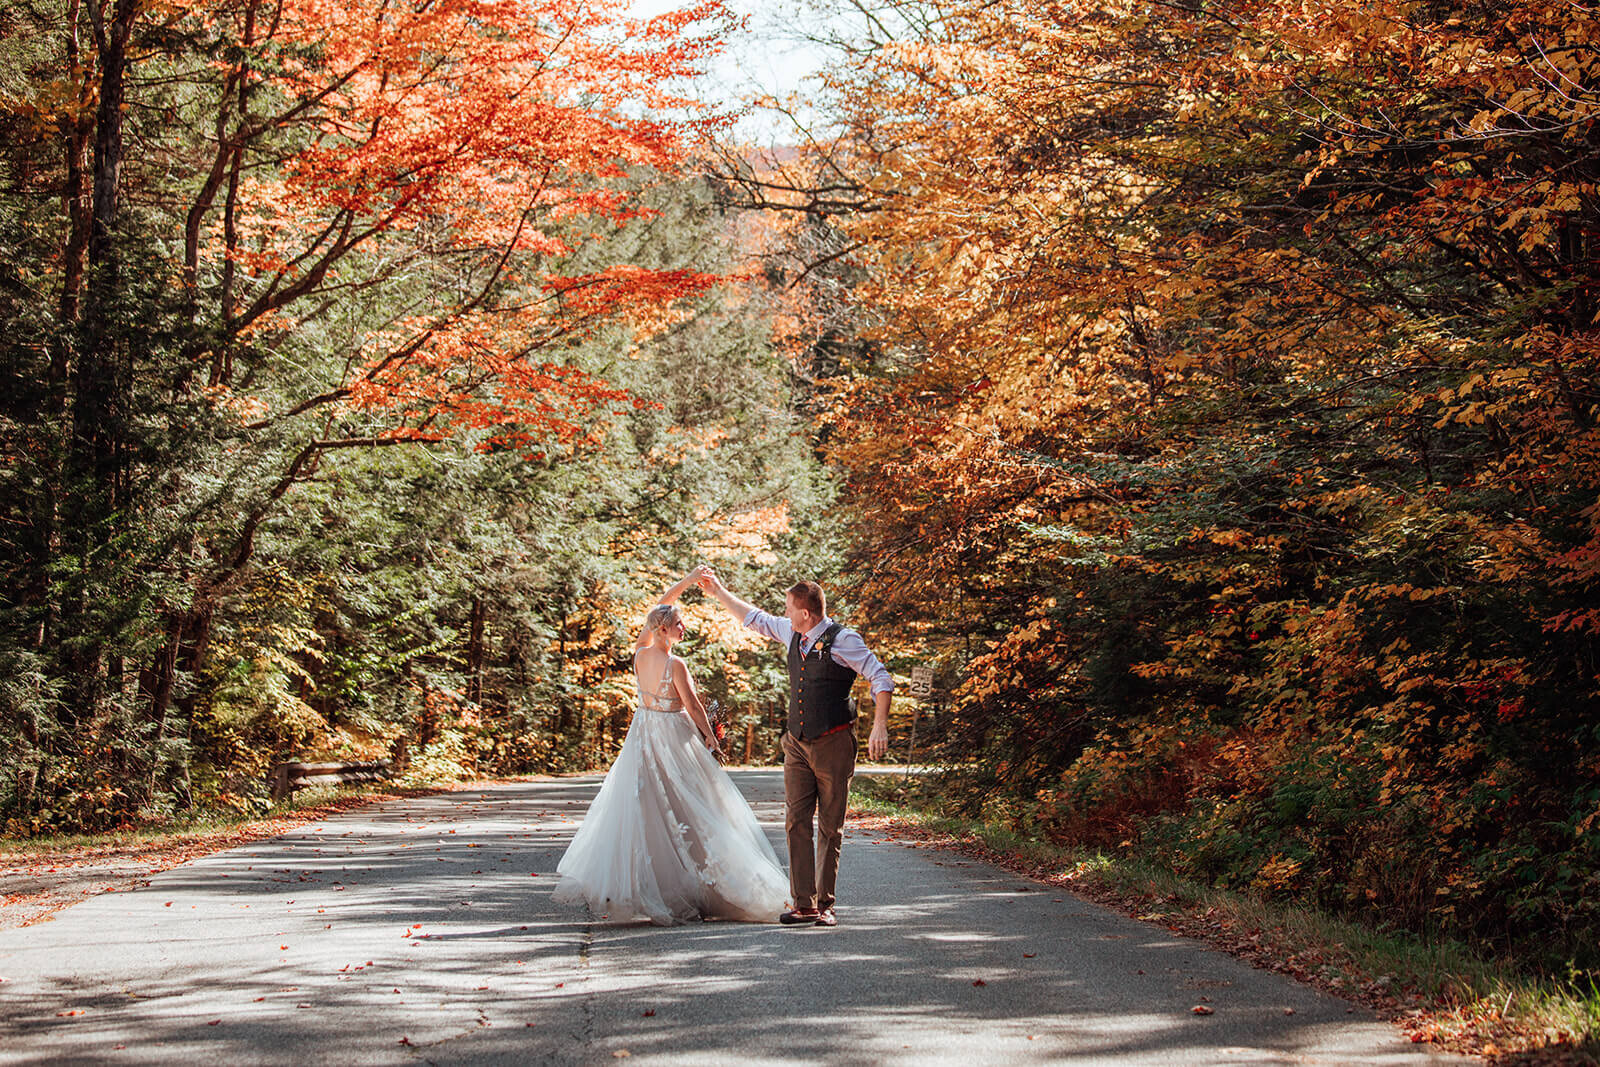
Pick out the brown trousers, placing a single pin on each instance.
(816, 782)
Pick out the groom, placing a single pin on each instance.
(819, 745)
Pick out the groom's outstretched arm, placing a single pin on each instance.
(739, 609)
(773, 627)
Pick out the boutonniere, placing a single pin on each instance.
(821, 646)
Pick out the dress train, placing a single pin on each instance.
(669, 838)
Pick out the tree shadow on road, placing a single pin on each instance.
(425, 929)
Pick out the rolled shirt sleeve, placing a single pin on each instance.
(851, 650)
(775, 627)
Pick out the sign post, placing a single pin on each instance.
(921, 688)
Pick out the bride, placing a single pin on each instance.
(669, 838)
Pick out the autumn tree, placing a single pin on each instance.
(246, 237)
(1241, 465)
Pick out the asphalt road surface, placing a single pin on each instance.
(421, 931)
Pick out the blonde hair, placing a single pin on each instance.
(660, 616)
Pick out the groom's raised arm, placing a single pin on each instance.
(710, 583)
(745, 612)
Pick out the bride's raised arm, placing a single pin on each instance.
(674, 591)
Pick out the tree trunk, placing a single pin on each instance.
(98, 387)
(564, 711)
(163, 671)
(76, 198)
(475, 652)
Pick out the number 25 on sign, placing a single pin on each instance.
(921, 681)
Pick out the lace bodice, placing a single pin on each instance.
(662, 698)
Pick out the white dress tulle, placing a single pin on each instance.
(669, 838)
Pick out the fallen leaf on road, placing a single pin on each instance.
(214, 1022)
(621, 1054)
(1029, 955)
(405, 1041)
(648, 1012)
(65, 1014)
(1201, 1009)
(980, 982)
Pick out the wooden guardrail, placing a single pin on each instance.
(285, 778)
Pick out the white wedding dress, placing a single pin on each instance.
(669, 838)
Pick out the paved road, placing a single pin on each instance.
(421, 930)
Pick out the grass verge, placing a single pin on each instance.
(1437, 991)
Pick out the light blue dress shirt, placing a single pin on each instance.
(848, 648)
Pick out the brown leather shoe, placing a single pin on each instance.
(797, 917)
(825, 917)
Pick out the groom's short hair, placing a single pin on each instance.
(809, 596)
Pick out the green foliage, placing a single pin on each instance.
(192, 592)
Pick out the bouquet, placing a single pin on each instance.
(719, 728)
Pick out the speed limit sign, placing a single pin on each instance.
(921, 681)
